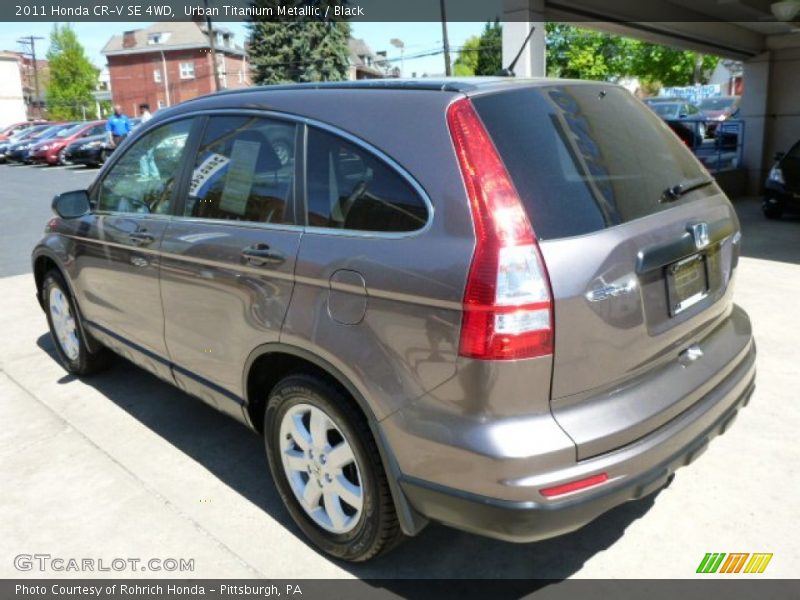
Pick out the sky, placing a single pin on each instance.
(419, 38)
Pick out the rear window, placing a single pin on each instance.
(585, 157)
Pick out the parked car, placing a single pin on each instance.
(15, 128)
(92, 150)
(25, 134)
(53, 151)
(21, 151)
(510, 319)
(717, 109)
(684, 114)
(783, 184)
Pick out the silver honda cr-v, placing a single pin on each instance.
(503, 305)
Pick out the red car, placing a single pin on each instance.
(52, 151)
(11, 130)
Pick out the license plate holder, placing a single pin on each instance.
(687, 283)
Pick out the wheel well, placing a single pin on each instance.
(270, 368)
(42, 265)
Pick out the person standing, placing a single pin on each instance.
(146, 114)
(118, 127)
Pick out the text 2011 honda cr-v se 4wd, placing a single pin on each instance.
(502, 305)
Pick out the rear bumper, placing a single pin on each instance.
(532, 521)
(515, 510)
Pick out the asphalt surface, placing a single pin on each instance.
(122, 465)
(25, 196)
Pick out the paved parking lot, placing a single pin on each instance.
(124, 466)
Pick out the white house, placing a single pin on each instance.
(12, 104)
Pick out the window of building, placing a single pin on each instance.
(350, 188)
(244, 171)
(157, 75)
(187, 70)
(161, 104)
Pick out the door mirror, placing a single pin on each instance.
(71, 205)
(780, 156)
(682, 115)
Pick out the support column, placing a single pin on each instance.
(754, 112)
(518, 18)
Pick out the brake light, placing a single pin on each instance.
(508, 309)
(574, 486)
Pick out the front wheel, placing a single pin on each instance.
(327, 469)
(65, 329)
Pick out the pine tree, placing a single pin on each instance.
(297, 50)
(72, 77)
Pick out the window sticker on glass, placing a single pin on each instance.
(205, 174)
(239, 179)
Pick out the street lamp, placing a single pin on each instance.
(398, 43)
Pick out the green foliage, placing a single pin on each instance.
(467, 62)
(72, 77)
(297, 50)
(585, 54)
(490, 50)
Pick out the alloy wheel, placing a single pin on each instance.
(321, 468)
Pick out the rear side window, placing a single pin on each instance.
(244, 171)
(350, 188)
(585, 157)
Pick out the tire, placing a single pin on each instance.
(337, 526)
(772, 211)
(62, 160)
(66, 329)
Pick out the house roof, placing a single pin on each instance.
(182, 35)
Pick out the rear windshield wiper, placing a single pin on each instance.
(684, 187)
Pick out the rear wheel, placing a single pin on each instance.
(66, 331)
(62, 157)
(327, 469)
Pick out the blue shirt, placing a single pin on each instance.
(118, 125)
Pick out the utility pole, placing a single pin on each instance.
(31, 41)
(212, 43)
(445, 42)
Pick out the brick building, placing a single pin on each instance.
(167, 63)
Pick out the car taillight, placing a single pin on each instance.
(508, 309)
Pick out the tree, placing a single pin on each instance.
(467, 62)
(585, 54)
(72, 77)
(297, 50)
(490, 49)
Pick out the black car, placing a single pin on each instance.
(783, 184)
(92, 151)
(680, 112)
(20, 152)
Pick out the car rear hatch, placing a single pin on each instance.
(640, 269)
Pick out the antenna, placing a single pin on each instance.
(509, 71)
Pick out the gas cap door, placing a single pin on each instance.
(347, 297)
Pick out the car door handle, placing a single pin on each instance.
(141, 238)
(260, 255)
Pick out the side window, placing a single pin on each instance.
(244, 171)
(142, 181)
(349, 188)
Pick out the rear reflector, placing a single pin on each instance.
(574, 486)
(507, 303)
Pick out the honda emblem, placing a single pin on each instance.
(699, 232)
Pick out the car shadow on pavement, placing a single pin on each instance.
(236, 456)
(768, 239)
